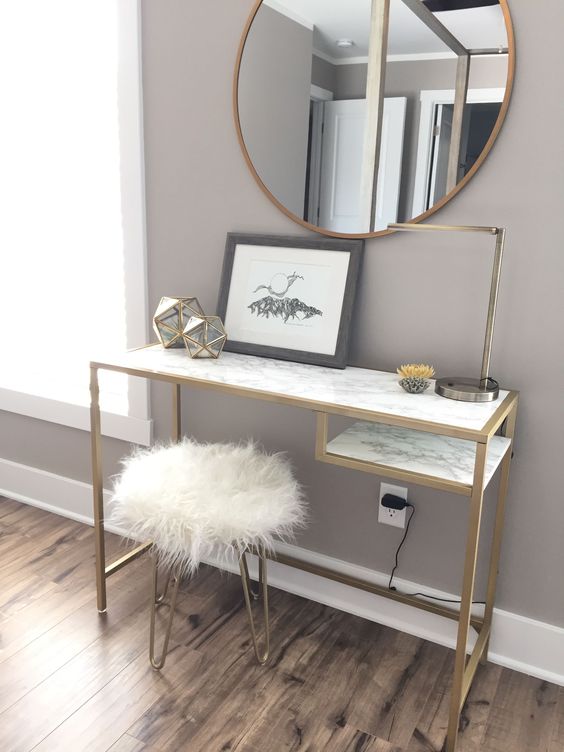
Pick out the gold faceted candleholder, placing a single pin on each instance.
(204, 337)
(171, 318)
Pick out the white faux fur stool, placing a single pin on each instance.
(197, 500)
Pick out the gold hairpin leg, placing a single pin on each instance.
(160, 598)
(262, 574)
(255, 594)
(156, 601)
(261, 656)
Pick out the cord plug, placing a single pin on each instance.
(390, 501)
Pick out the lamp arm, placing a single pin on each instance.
(494, 290)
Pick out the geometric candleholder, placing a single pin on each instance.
(204, 336)
(171, 317)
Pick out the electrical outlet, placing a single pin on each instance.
(394, 517)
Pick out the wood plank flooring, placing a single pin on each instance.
(74, 681)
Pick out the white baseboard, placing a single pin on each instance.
(54, 493)
(518, 642)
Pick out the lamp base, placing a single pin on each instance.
(467, 390)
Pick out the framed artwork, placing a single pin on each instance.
(289, 298)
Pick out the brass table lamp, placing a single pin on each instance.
(484, 389)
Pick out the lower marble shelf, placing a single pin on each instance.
(440, 457)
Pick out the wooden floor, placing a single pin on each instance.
(72, 680)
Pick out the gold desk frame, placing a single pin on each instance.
(503, 420)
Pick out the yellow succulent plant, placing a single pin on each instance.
(416, 370)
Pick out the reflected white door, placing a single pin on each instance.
(341, 163)
(440, 153)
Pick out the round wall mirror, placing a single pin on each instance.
(355, 114)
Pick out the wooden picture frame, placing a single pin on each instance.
(288, 297)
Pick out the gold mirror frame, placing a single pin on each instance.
(504, 4)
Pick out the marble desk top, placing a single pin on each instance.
(442, 457)
(352, 389)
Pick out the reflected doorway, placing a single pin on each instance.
(481, 112)
(479, 121)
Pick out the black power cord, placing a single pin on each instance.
(396, 502)
(405, 504)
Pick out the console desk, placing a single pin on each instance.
(422, 439)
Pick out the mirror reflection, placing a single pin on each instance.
(359, 113)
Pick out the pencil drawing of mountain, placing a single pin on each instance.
(277, 305)
(286, 309)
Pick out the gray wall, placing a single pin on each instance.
(57, 449)
(345, 81)
(199, 188)
(274, 95)
(351, 81)
(323, 74)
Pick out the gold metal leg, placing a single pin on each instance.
(509, 431)
(102, 571)
(176, 413)
(321, 429)
(156, 601)
(261, 657)
(473, 537)
(98, 491)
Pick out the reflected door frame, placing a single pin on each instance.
(318, 97)
(429, 100)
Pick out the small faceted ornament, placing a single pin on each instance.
(204, 337)
(171, 317)
(414, 377)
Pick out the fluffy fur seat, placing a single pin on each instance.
(193, 499)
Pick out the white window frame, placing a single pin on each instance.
(429, 99)
(136, 427)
